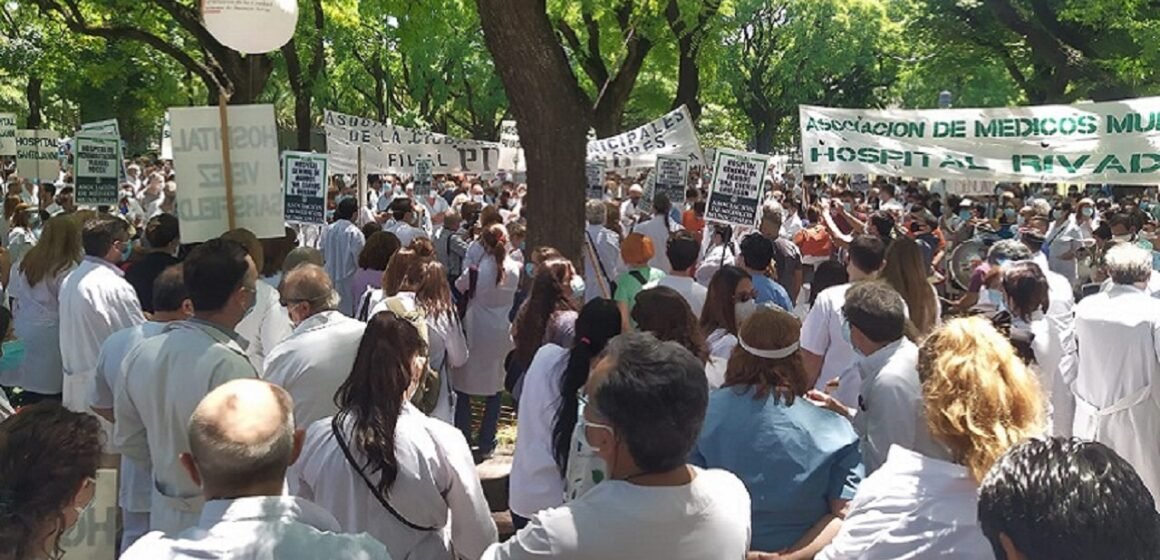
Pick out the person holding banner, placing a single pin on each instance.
(341, 244)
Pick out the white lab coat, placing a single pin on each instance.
(20, 240)
(1047, 345)
(822, 335)
(536, 481)
(259, 528)
(630, 213)
(488, 328)
(341, 244)
(606, 245)
(436, 486)
(166, 377)
(1061, 239)
(656, 231)
(267, 325)
(95, 302)
(1116, 394)
(314, 361)
(36, 318)
(1061, 316)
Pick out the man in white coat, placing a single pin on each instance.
(1117, 389)
(95, 302)
(317, 358)
(242, 439)
(166, 376)
(170, 303)
(341, 244)
(267, 324)
(602, 263)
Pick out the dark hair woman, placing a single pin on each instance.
(730, 300)
(548, 316)
(370, 464)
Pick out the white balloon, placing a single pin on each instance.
(251, 26)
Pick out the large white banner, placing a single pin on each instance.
(7, 134)
(1115, 142)
(197, 160)
(394, 149)
(671, 135)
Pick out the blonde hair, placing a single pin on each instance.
(59, 249)
(905, 271)
(980, 397)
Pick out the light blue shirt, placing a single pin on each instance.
(770, 292)
(793, 460)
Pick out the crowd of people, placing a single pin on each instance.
(835, 381)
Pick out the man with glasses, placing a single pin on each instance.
(318, 356)
(167, 375)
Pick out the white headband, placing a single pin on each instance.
(770, 354)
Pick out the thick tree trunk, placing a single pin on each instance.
(32, 94)
(688, 78)
(302, 121)
(763, 141)
(553, 117)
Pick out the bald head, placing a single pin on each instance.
(302, 255)
(308, 286)
(241, 436)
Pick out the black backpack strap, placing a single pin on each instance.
(639, 277)
(596, 257)
(374, 490)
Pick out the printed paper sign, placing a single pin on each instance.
(197, 161)
(97, 168)
(595, 173)
(36, 155)
(304, 184)
(672, 176)
(736, 191)
(7, 134)
(1116, 142)
(423, 176)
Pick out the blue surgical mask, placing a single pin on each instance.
(1009, 213)
(994, 297)
(253, 300)
(13, 355)
(127, 251)
(849, 207)
(849, 338)
(529, 268)
(1089, 211)
(964, 215)
(1057, 214)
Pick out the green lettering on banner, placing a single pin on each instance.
(1138, 166)
(1032, 162)
(1070, 166)
(1110, 161)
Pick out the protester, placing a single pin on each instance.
(826, 354)
(730, 300)
(1119, 364)
(682, 250)
(1063, 241)
(903, 270)
(1026, 299)
(95, 302)
(488, 338)
(241, 441)
(658, 228)
(167, 375)
(979, 400)
(787, 258)
(799, 462)
(1062, 498)
(450, 247)
(1061, 319)
(170, 303)
(647, 403)
(34, 294)
(302, 255)
(48, 474)
(721, 252)
(315, 359)
(164, 240)
(630, 209)
(636, 251)
(664, 313)
(371, 464)
(549, 410)
(548, 316)
(756, 255)
(22, 236)
(602, 263)
(372, 263)
(341, 244)
(274, 253)
(403, 222)
(266, 324)
(890, 404)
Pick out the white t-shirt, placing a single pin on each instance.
(822, 335)
(689, 289)
(617, 520)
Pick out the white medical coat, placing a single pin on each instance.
(1117, 401)
(314, 361)
(606, 245)
(436, 486)
(488, 328)
(166, 377)
(95, 302)
(265, 327)
(341, 244)
(36, 318)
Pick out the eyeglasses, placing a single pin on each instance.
(289, 302)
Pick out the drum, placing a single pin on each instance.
(963, 260)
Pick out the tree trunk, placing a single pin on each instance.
(553, 115)
(763, 141)
(302, 121)
(32, 95)
(688, 78)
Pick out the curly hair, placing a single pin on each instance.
(769, 329)
(980, 398)
(46, 454)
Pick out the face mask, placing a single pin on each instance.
(1057, 214)
(584, 425)
(849, 338)
(1009, 213)
(848, 206)
(529, 268)
(126, 251)
(994, 297)
(477, 197)
(253, 301)
(577, 284)
(743, 310)
(1019, 221)
(964, 215)
(13, 355)
(1088, 212)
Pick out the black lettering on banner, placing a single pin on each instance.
(305, 186)
(736, 191)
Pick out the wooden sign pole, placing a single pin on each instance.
(360, 180)
(227, 166)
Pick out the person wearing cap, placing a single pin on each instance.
(800, 463)
(630, 209)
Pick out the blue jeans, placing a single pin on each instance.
(487, 427)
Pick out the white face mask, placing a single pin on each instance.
(743, 310)
(577, 284)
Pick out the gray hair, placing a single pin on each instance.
(311, 283)
(596, 211)
(1128, 264)
(655, 399)
(1007, 250)
(1041, 207)
(772, 212)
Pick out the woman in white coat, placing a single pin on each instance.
(488, 335)
(35, 293)
(1026, 296)
(424, 286)
(382, 467)
(1062, 240)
